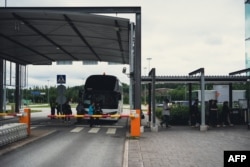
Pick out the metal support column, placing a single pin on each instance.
(17, 90)
(190, 100)
(230, 96)
(131, 66)
(153, 96)
(137, 64)
(203, 127)
(149, 104)
(2, 85)
(154, 127)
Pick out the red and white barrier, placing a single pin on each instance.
(94, 116)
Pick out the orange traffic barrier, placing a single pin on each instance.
(25, 118)
(135, 130)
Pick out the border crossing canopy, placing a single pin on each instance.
(40, 36)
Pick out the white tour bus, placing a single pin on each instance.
(105, 89)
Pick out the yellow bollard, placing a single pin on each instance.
(26, 119)
(135, 123)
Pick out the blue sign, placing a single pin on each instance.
(61, 79)
(35, 93)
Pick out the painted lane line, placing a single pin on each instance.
(77, 129)
(94, 130)
(111, 131)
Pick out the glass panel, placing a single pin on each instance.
(247, 34)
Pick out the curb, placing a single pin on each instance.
(125, 154)
(33, 137)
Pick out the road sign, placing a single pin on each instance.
(61, 79)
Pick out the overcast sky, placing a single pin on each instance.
(179, 35)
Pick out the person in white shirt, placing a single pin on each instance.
(165, 113)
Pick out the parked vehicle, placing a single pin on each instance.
(105, 89)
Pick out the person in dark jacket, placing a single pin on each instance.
(52, 109)
(80, 111)
(98, 111)
(67, 111)
(195, 114)
(226, 114)
(213, 111)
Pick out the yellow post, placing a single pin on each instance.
(135, 123)
(26, 119)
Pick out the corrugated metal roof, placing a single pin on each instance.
(197, 79)
(32, 36)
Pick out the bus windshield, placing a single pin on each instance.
(106, 99)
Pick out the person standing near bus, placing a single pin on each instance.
(165, 113)
(98, 111)
(195, 114)
(226, 114)
(213, 111)
(80, 111)
(67, 111)
(52, 109)
(91, 113)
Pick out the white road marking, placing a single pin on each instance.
(94, 130)
(77, 129)
(111, 131)
(112, 126)
(36, 126)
